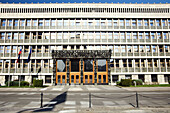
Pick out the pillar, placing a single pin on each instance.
(148, 79)
(161, 79)
(95, 72)
(54, 72)
(68, 71)
(81, 74)
(108, 65)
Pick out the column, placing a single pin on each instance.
(54, 71)
(81, 66)
(108, 66)
(95, 72)
(68, 72)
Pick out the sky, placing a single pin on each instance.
(85, 1)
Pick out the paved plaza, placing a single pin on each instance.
(75, 99)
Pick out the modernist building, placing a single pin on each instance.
(85, 43)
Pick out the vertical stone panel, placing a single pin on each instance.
(68, 71)
(81, 67)
(95, 71)
(54, 72)
(108, 64)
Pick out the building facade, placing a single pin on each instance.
(85, 43)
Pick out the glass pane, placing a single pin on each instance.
(75, 65)
(102, 65)
(88, 65)
(61, 65)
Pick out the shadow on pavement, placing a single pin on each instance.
(49, 107)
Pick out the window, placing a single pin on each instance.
(3, 23)
(159, 36)
(140, 23)
(25, 64)
(88, 65)
(15, 22)
(40, 23)
(9, 22)
(127, 22)
(1, 64)
(72, 22)
(9, 36)
(149, 63)
(147, 35)
(38, 63)
(38, 49)
(7, 64)
(140, 35)
(158, 23)
(28, 23)
(122, 35)
(47, 23)
(148, 48)
(152, 23)
(72, 35)
(97, 35)
(142, 63)
(2, 37)
(21, 35)
(165, 35)
(53, 35)
(154, 48)
(103, 35)
(75, 65)
(116, 35)
(1, 49)
(116, 48)
(109, 22)
(7, 49)
(110, 35)
(15, 36)
(137, 63)
(134, 35)
(34, 22)
(117, 63)
(166, 48)
(51, 64)
(141, 49)
(46, 35)
(128, 35)
(101, 65)
(146, 22)
(115, 22)
(123, 49)
(129, 49)
(112, 63)
(26, 48)
(153, 36)
(59, 35)
(122, 23)
(45, 63)
(133, 22)
(155, 64)
(164, 23)
(22, 22)
(135, 48)
(14, 49)
(33, 64)
(53, 22)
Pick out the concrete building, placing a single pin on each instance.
(81, 35)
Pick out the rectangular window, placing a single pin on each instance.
(40, 23)
(149, 63)
(8, 36)
(101, 65)
(147, 35)
(139, 22)
(116, 48)
(128, 35)
(46, 35)
(9, 22)
(38, 63)
(140, 35)
(38, 49)
(14, 49)
(1, 64)
(21, 35)
(1, 49)
(7, 50)
(115, 22)
(136, 49)
(28, 23)
(12, 64)
(110, 35)
(122, 23)
(22, 22)
(75, 65)
(158, 23)
(34, 22)
(88, 65)
(164, 22)
(59, 35)
(3, 23)
(116, 35)
(152, 23)
(47, 22)
(146, 22)
(15, 22)
(122, 35)
(134, 35)
(53, 22)
(7, 64)
(133, 22)
(15, 36)
(2, 37)
(127, 22)
(45, 63)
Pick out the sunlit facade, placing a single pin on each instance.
(138, 36)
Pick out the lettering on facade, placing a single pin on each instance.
(81, 54)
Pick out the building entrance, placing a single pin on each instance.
(85, 71)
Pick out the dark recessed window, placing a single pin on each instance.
(101, 65)
(75, 65)
(88, 65)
